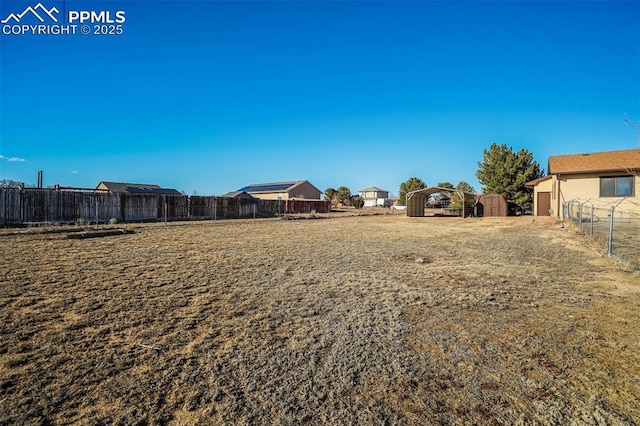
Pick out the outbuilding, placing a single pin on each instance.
(416, 200)
(491, 205)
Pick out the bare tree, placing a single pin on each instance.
(633, 126)
(636, 126)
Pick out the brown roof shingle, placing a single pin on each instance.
(628, 159)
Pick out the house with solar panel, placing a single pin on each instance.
(135, 188)
(297, 189)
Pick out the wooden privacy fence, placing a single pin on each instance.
(307, 206)
(21, 206)
(201, 207)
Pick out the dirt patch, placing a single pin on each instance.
(367, 320)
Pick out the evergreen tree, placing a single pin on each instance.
(412, 184)
(456, 202)
(343, 194)
(503, 171)
(330, 194)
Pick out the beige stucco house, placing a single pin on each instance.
(301, 189)
(602, 179)
(375, 196)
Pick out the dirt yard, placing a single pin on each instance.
(356, 320)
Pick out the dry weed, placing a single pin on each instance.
(358, 320)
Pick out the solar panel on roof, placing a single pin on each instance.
(274, 187)
(134, 189)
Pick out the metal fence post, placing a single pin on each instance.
(591, 224)
(580, 216)
(610, 242)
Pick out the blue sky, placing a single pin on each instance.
(209, 96)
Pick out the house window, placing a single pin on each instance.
(619, 186)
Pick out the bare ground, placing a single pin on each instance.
(367, 320)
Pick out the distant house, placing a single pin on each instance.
(237, 194)
(600, 178)
(299, 189)
(135, 188)
(375, 196)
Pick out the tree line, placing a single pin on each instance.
(343, 195)
(502, 171)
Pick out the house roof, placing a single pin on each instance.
(274, 186)
(534, 182)
(237, 194)
(373, 189)
(593, 162)
(137, 188)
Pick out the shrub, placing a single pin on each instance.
(358, 202)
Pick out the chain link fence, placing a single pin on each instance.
(616, 226)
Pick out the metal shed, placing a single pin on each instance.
(492, 205)
(416, 200)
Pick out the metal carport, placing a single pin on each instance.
(416, 199)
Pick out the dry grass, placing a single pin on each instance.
(368, 320)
